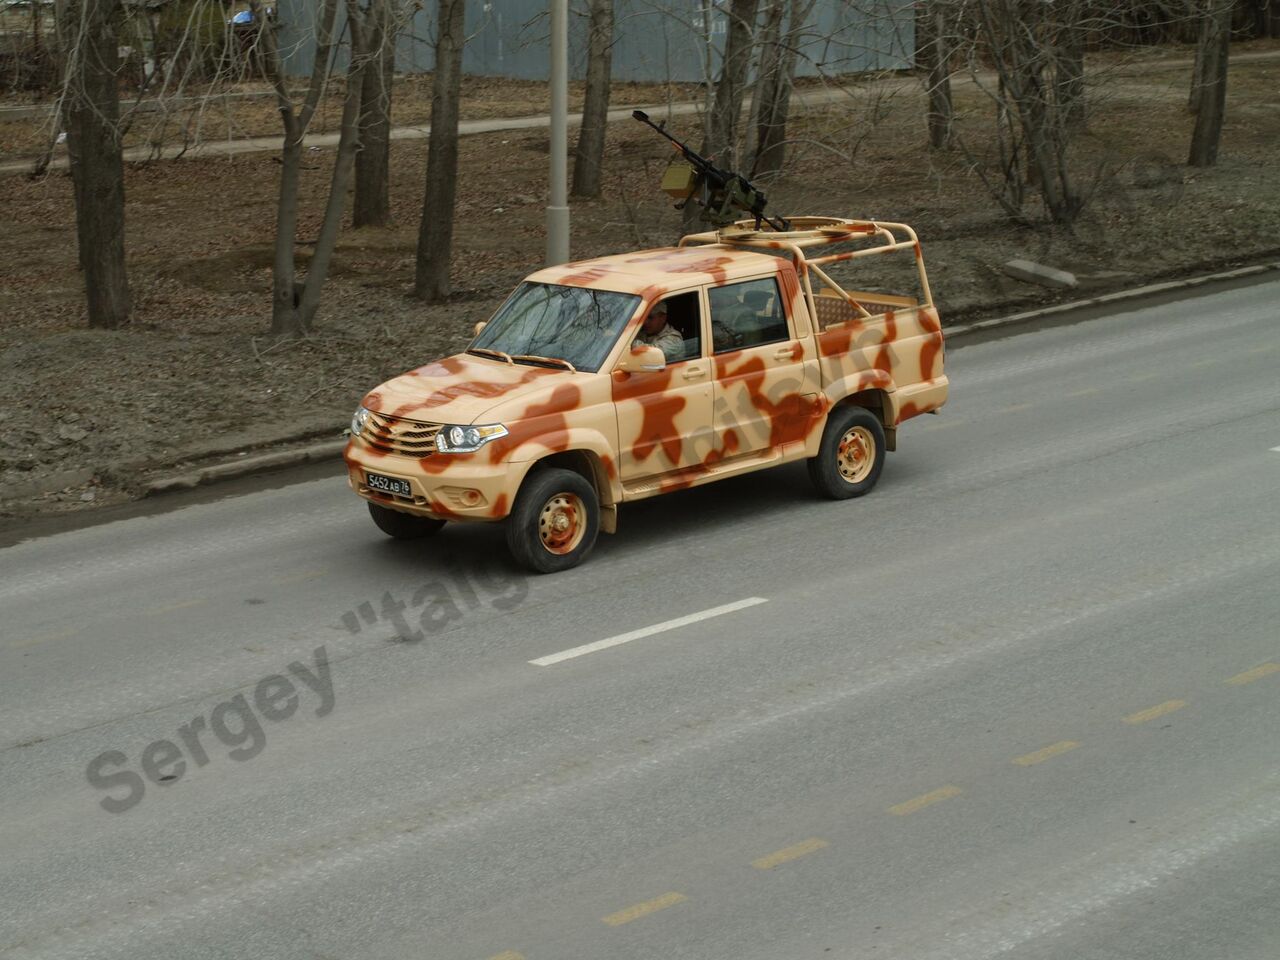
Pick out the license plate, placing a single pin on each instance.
(397, 488)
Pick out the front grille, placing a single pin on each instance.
(407, 438)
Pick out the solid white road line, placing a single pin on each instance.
(646, 632)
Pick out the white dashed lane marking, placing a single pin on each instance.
(643, 632)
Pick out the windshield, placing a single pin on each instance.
(562, 323)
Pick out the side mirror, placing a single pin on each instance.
(642, 360)
(480, 326)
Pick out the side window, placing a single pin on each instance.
(674, 325)
(747, 314)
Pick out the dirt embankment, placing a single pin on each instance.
(86, 414)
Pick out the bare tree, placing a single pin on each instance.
(294, 304)
(1265, 15)
(731, 87)
(933, 56)
(776, 73)
(589, 156)
(90, 108)
(721, 122)
(435, 234)
(1069, 44)
(1027, 43)
(1211, 88)
(372, 204)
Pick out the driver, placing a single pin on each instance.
(655, 331)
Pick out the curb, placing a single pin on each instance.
(331, 449)
(968, 329)
(247, 466)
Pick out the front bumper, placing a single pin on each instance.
(466, 487)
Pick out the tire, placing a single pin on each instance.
(403, 526)
(851, 456)
(554, 522)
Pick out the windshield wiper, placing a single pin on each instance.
(485, 352)
(534, 358)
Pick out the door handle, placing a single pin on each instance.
(786, 353)
(694, 373)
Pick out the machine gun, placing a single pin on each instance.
(722, 194)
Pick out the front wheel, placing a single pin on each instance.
(851, 456)
(403, 526)
(554, 522)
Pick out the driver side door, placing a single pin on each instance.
(661, 414)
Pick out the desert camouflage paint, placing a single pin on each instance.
(754, 392)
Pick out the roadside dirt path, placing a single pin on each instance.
(807, 97)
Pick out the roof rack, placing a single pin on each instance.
(808, 233)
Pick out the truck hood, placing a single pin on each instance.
(457, 389)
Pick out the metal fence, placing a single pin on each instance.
(656, 40)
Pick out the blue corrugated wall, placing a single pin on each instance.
(656, 40)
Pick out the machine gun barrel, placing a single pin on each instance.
(698, 162)
(731, 188)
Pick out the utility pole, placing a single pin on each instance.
(558, 210)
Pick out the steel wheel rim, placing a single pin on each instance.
(856, 454)
(562, 523)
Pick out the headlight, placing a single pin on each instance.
(358, 420)
(462, 439)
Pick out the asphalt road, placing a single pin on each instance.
(1023, 701)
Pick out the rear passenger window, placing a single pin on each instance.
(747, 314)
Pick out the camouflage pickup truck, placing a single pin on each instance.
(580, 394)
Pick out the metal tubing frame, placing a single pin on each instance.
(822, 231)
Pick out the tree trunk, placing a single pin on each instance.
(287, 317)
(1017, 36)
(1204, 36)
(91, 110)
(1212, 103)
(768, 80)
(435, 235)
(1070, 66)
(372, 206)
(773, 112)
(720, 143)
(1264, 17)
(731, 87)
(933, 56)
(589, 157)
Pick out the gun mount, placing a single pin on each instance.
(722, 194)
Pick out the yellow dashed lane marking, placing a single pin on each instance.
(1085, 392)
(1142, 716)
(787, 854)
(639, 910)
(1018, 406)
(177, 605)
(1257, 673)
(1040, 756)
(928, 800)
(297, 577)
(507, 955)
(44, 638)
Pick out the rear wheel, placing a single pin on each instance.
(403, 526)
(851, 456)
(554, 522)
